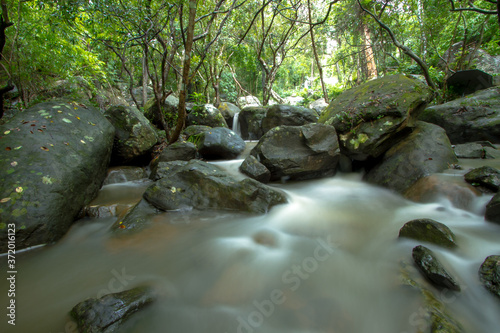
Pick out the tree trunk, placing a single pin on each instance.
(316, 57)
(145, 77)
(185, 71)
(371, 67)
(4, 24)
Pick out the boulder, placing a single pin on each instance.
(489, 274)
(163, 169)
(207, 115)
(430, 231)
(486, 176)
(299, 152)
(426, 150)
(54, 157)
(469, 150)
(250, 121)
(371, 116)
(256, 170)
(195, 130)
(278, 115)
(108, 313)
(134, 135)
(294, 100)
(178, 151)
(204, 186)
(492, 213)
(433, 188)
(228, 110)
(219, 143)
(319, 105)
(136, 220)
(432, 268)
(248, 101)
(472, 118)
(491, 153)
(124, 174)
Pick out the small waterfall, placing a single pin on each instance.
(236, 124)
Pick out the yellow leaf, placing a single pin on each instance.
(4, 200)
(19, 189)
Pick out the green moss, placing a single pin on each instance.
(2, 225)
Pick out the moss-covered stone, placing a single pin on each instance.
(432, 269)
(489, 274)
(486, 176)
(430, 231)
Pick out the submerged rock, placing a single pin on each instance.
(256, 170)
(204, 186)
(371, 116)
(472, 118)
(430, 231)
(432, 268)
(426, 150)
(493, 209)
(134, 136)
(107, 314)
(299, 152)
(489, 274)
(486, 176)
(53, 160)
(279, 115)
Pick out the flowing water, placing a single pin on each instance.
(328, 261)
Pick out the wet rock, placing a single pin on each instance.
(108, 313)
(469, 150)
(179, 151)
(219, 143)
(430, 231)
(472, 118)
(168, 108)
(250, 120)
(164, 169)
(228, 110)
(486, 176)
(256, 170)
(426, 150)
(205, 186)
(489, 274)
(134, 136)
(207, 115)
(432, 268)
(278, 115)
(54, 157)
(124, 174)
(299, 152)
(491, 153)
(195, 130)
(432, 314)
(493, 209)
(433, 188)
(137, 219)
(369, 118)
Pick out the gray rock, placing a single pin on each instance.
(204, 186)
(469, 150)
(370, 117)
(248, 101)
(207, 115)
(54, 157)
(256, 170)
(486, 176)
(124, 174)
(228, 110)
(299, 152)
(432, 268)
(472, 118)
(195, 130)
(219, 143)
(137, 219)
(107, 314)
(492, 213)
(426, 150)
(179, 151)
(319, 105)
(164, 169)
(491, 153)
(430, 231)
(250, 120)
(278, 115)
(134, 136)
(489, 274)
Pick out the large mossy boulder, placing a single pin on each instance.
(472, 118)
(278, 115)
(430, 231)
(485, 176)
(53, 160)
(108, 313)
(250, 121)
(204, 186)
(134, 135)
(299, 152)
(489, 274)
(369, 117)
(207, 115)
(219, 143)
(426, 150)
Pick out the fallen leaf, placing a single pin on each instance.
(78, 118)
(19, 189)
(13, 163)
(66, 143)
(18, 147)
(8, 148)
(39, 130)
(66, 120)
(6, 132)
(32, 125)
(83, 142)
(122, 226)
(4, 200)
(44, 148)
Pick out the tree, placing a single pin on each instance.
(4, 24)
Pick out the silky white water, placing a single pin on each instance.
(328, 261)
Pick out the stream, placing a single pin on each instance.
(328, 261)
